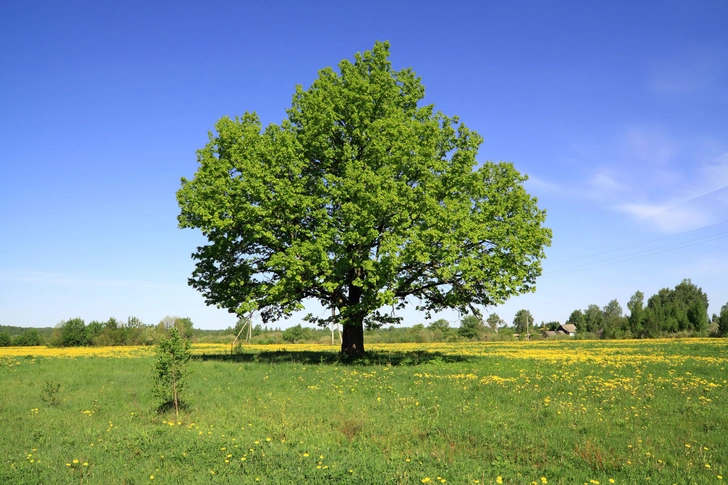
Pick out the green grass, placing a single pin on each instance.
(637, 412)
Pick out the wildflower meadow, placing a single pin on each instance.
(567, 412)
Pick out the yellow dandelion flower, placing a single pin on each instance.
(499, 479)
(426, 480)
(75, 462)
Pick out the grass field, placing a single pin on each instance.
(519, 413)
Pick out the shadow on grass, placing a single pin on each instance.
(168, 407)
(377, 358)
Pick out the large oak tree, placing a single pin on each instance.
(363, 198)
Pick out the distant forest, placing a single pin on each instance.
(677, 312)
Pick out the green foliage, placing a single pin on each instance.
(296, 333)
(637, 316)
(723, 321)
(183, 325)
(523, 321)
(614, 323)
(361, 198)
(577, 319)
(30, 337)
(73, 333)
(593, 319)
(111, 324)
(93, 330)
(494, 322)
(171, 370)
(5, 340)
(243, 322)
(50, 393)
(441, 324)
(682, 309)
(470, 327)
(13, 331)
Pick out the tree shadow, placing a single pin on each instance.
(168, 406)
(307, 357)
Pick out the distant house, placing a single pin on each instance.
(567, 329)
(550, 333)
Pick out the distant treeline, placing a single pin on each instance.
(681, 311)
(76, 333)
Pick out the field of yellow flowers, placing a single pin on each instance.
(568, 412)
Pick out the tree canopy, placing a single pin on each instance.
(522, 321)
(361, 199)
(494, 321)
(470, 327)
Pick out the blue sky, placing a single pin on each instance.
(616, 111)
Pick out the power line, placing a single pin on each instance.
(708, 238)
(637, 244)
(622, 259)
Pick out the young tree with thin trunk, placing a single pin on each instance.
(362, 198)
(170, 370)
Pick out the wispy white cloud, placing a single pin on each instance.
(656, 178)
(698, 199)
(669, 219)
(605, 184)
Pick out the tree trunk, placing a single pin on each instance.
(352, 343)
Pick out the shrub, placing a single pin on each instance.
(30, 337)
(73, 333)
(170, 370)
(470, 327)
(293, 334)
(50, 393)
